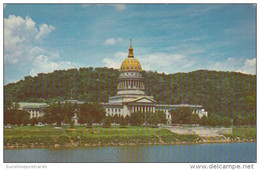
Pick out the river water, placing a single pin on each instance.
(220, 152)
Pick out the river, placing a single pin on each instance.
(218, 152)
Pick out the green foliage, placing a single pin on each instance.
(222, 93)
(48, 136)
(14, 116)
(34, 121)
(91, 113)
(107, 122)
(203, 121)
(136, 118)
(122, 121)
(183, 115)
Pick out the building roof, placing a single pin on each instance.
(131, 64)
(32, 105)
(148, 100)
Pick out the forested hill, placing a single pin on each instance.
(223, 93)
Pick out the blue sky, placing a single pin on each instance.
(167, 38)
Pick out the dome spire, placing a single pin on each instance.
(131, 53)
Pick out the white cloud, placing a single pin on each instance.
(23, 50)
(116, 61)
(113, 41)
(43, 64)
(162, 62)
(44, 31)
(249, 66)
(20, 37)
(165, 62)
(120, 7)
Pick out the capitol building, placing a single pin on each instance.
(130, 96)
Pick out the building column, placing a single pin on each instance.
(145, 109)
(153, 109)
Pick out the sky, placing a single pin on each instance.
(167, 38)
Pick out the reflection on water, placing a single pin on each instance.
(231, 152)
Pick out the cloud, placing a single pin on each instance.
(44, 31)
(45, 64)
(120, 7)
(165, 62)
(116, 61)
(249, 66)
(20, 36)
(23, 50)
(113, 41)
(246, 66)
(162, 62)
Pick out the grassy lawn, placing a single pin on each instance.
(48, 136)
(244, 132)
(80, 135)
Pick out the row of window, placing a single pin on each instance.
(127, 61)
(132, 67)
(134, 74)
(112, 110)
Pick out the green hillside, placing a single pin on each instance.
(222, 93)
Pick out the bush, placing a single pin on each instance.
(63, 139)
(106, 123)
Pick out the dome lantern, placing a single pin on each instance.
(131, 51)
(130, 63)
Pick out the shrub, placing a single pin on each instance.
(106, 123)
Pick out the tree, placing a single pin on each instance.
(195, 119)
(127, 119)
(181, 115)
(238, 120)
(228, 93)
(226, 121)
(136, 118)
(115, 119)
(212, 120)
(33, 121)
(252, 118)
(161, 117)
(25, 117)
(122, 121)
(106, 122)
(203, 121)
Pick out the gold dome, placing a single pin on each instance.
(130, 64)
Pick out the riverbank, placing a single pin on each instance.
(48, 137)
